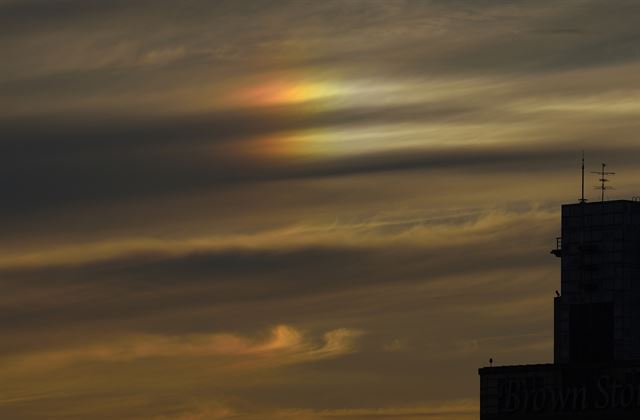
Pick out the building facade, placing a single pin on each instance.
(596, 368)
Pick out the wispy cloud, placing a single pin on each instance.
(426, 232)
(283, 345)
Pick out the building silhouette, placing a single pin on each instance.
(596, 368)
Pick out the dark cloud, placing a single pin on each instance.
(151, 284)
(30, 15)
(100, 177)
(415, 38)
(388, 292)
(50, 162)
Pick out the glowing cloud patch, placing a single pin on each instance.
(286, 92)
(284, 345)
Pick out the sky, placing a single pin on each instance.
(294, 209)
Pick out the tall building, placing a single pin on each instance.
(596, 368)
(597, 316)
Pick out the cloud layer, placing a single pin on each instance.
(293, 209)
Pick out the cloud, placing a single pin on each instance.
(403, 179)
(424, 232)
(454, 410)
(283, 346)
(352, 273)
(395, 345)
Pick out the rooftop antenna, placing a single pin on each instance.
(602, 187)
(582, 199)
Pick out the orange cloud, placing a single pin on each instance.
(284, 345)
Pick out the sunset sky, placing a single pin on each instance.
(294, 209)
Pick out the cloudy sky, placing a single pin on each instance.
(294, 209)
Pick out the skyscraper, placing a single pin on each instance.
(596, 369)
(597, 316)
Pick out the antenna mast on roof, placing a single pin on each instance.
(582, 199)
(602, 187)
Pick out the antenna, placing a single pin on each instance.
(602, 187)
(582, 199)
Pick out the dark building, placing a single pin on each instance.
(596, 369)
